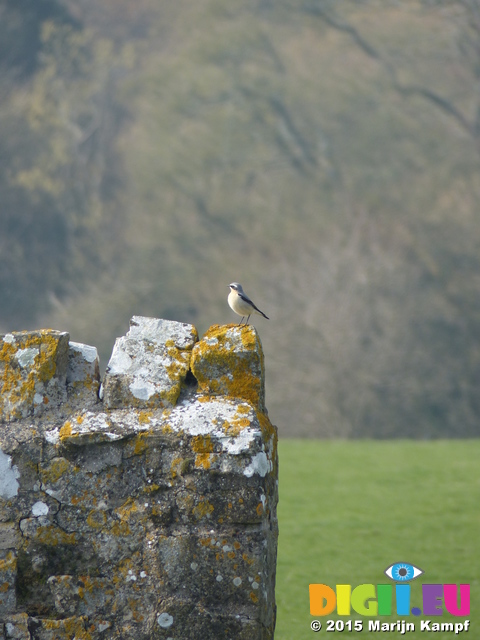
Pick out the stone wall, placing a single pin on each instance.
(145, 507)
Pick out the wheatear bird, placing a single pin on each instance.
(241, 303)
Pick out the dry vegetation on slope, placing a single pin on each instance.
(325, 154)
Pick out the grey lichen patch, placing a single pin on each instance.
(164, 620)
(9, 475)
(149, 365)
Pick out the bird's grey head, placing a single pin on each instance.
(236, 286)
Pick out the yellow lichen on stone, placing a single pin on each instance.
(204, 460)
(144, 417)
(53, 536)
(9, 563)
(120, 529)
(203, 447)
(202, 509)
(243, 408)
(244, 384)
(67, 628)
(8, 377)
(55, 470)
(202, 444)
(45, 362)
(235, 426)
(171, 396)
(126, 510)
(176, 467)
(96, 519)
(21, 379)
(66, 430)
(176, 370)
(205, 397)
(229, 361)
(14, 387)
(140, 444)
(151, 488)
(269, 432)
(180, 362)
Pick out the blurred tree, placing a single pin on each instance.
(316, 149)
(20, 33)
(58, 170)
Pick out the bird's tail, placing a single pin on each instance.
(258, 310)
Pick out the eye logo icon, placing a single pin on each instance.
(403, 572)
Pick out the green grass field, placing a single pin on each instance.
(349, 509)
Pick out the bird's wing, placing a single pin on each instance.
(244, 297)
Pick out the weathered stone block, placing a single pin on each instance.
(229, 361)
(144, 522)
(149, 364)
(33, 368)
(83, 373)
(41, 371)
(16, 627)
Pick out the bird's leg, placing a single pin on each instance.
(241, 321)
(248, 319)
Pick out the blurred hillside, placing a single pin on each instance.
(325, 154)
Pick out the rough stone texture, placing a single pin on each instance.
(33, 368)
(139, 521)
(229, 362)
(42, 372)
(149, 364)
(83, 373)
